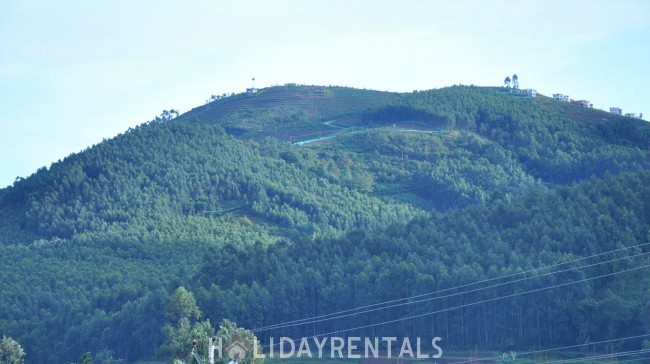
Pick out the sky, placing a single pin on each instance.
(76, 72)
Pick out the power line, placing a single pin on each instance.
(450, 295)
(450, 288)
(479, 302)
(563, 347)
(602, 356)
(488, 300)
(643, 360)
(350, 312)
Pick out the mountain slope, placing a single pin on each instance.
(435, 189)
(457, 249)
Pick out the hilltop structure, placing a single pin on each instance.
(565, 98)
(530, 92)
(561, 97)
(583, 103)
(619, 111)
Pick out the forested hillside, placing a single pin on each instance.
(394, 195)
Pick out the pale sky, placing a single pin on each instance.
(73, 72)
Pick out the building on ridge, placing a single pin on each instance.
(530, 92)
(561, 97)
(583, 103)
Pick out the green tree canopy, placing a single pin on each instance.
(10, 351)
(87, 358)
(182, 306)
(229, 332)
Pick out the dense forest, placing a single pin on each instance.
(501, 223)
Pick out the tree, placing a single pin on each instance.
(178, 341)
(229, 332)
(167, 115)
(180, 338)
(10, 351)
(87, 358)
(106, 357)
(515, 81)
(507, 81)
(182, 307)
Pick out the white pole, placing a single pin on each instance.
(211, 351)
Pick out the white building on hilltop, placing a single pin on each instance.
(616, 110)
(561, 97)
(583, 103)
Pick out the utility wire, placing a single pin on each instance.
(449, 289)
(479, 302)
(601, 356)
(452, 294)
(349, 312)
(641, 360)
(562, 348)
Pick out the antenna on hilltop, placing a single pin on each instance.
(252, 90)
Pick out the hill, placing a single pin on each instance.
(299, 201)
(291, 111)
